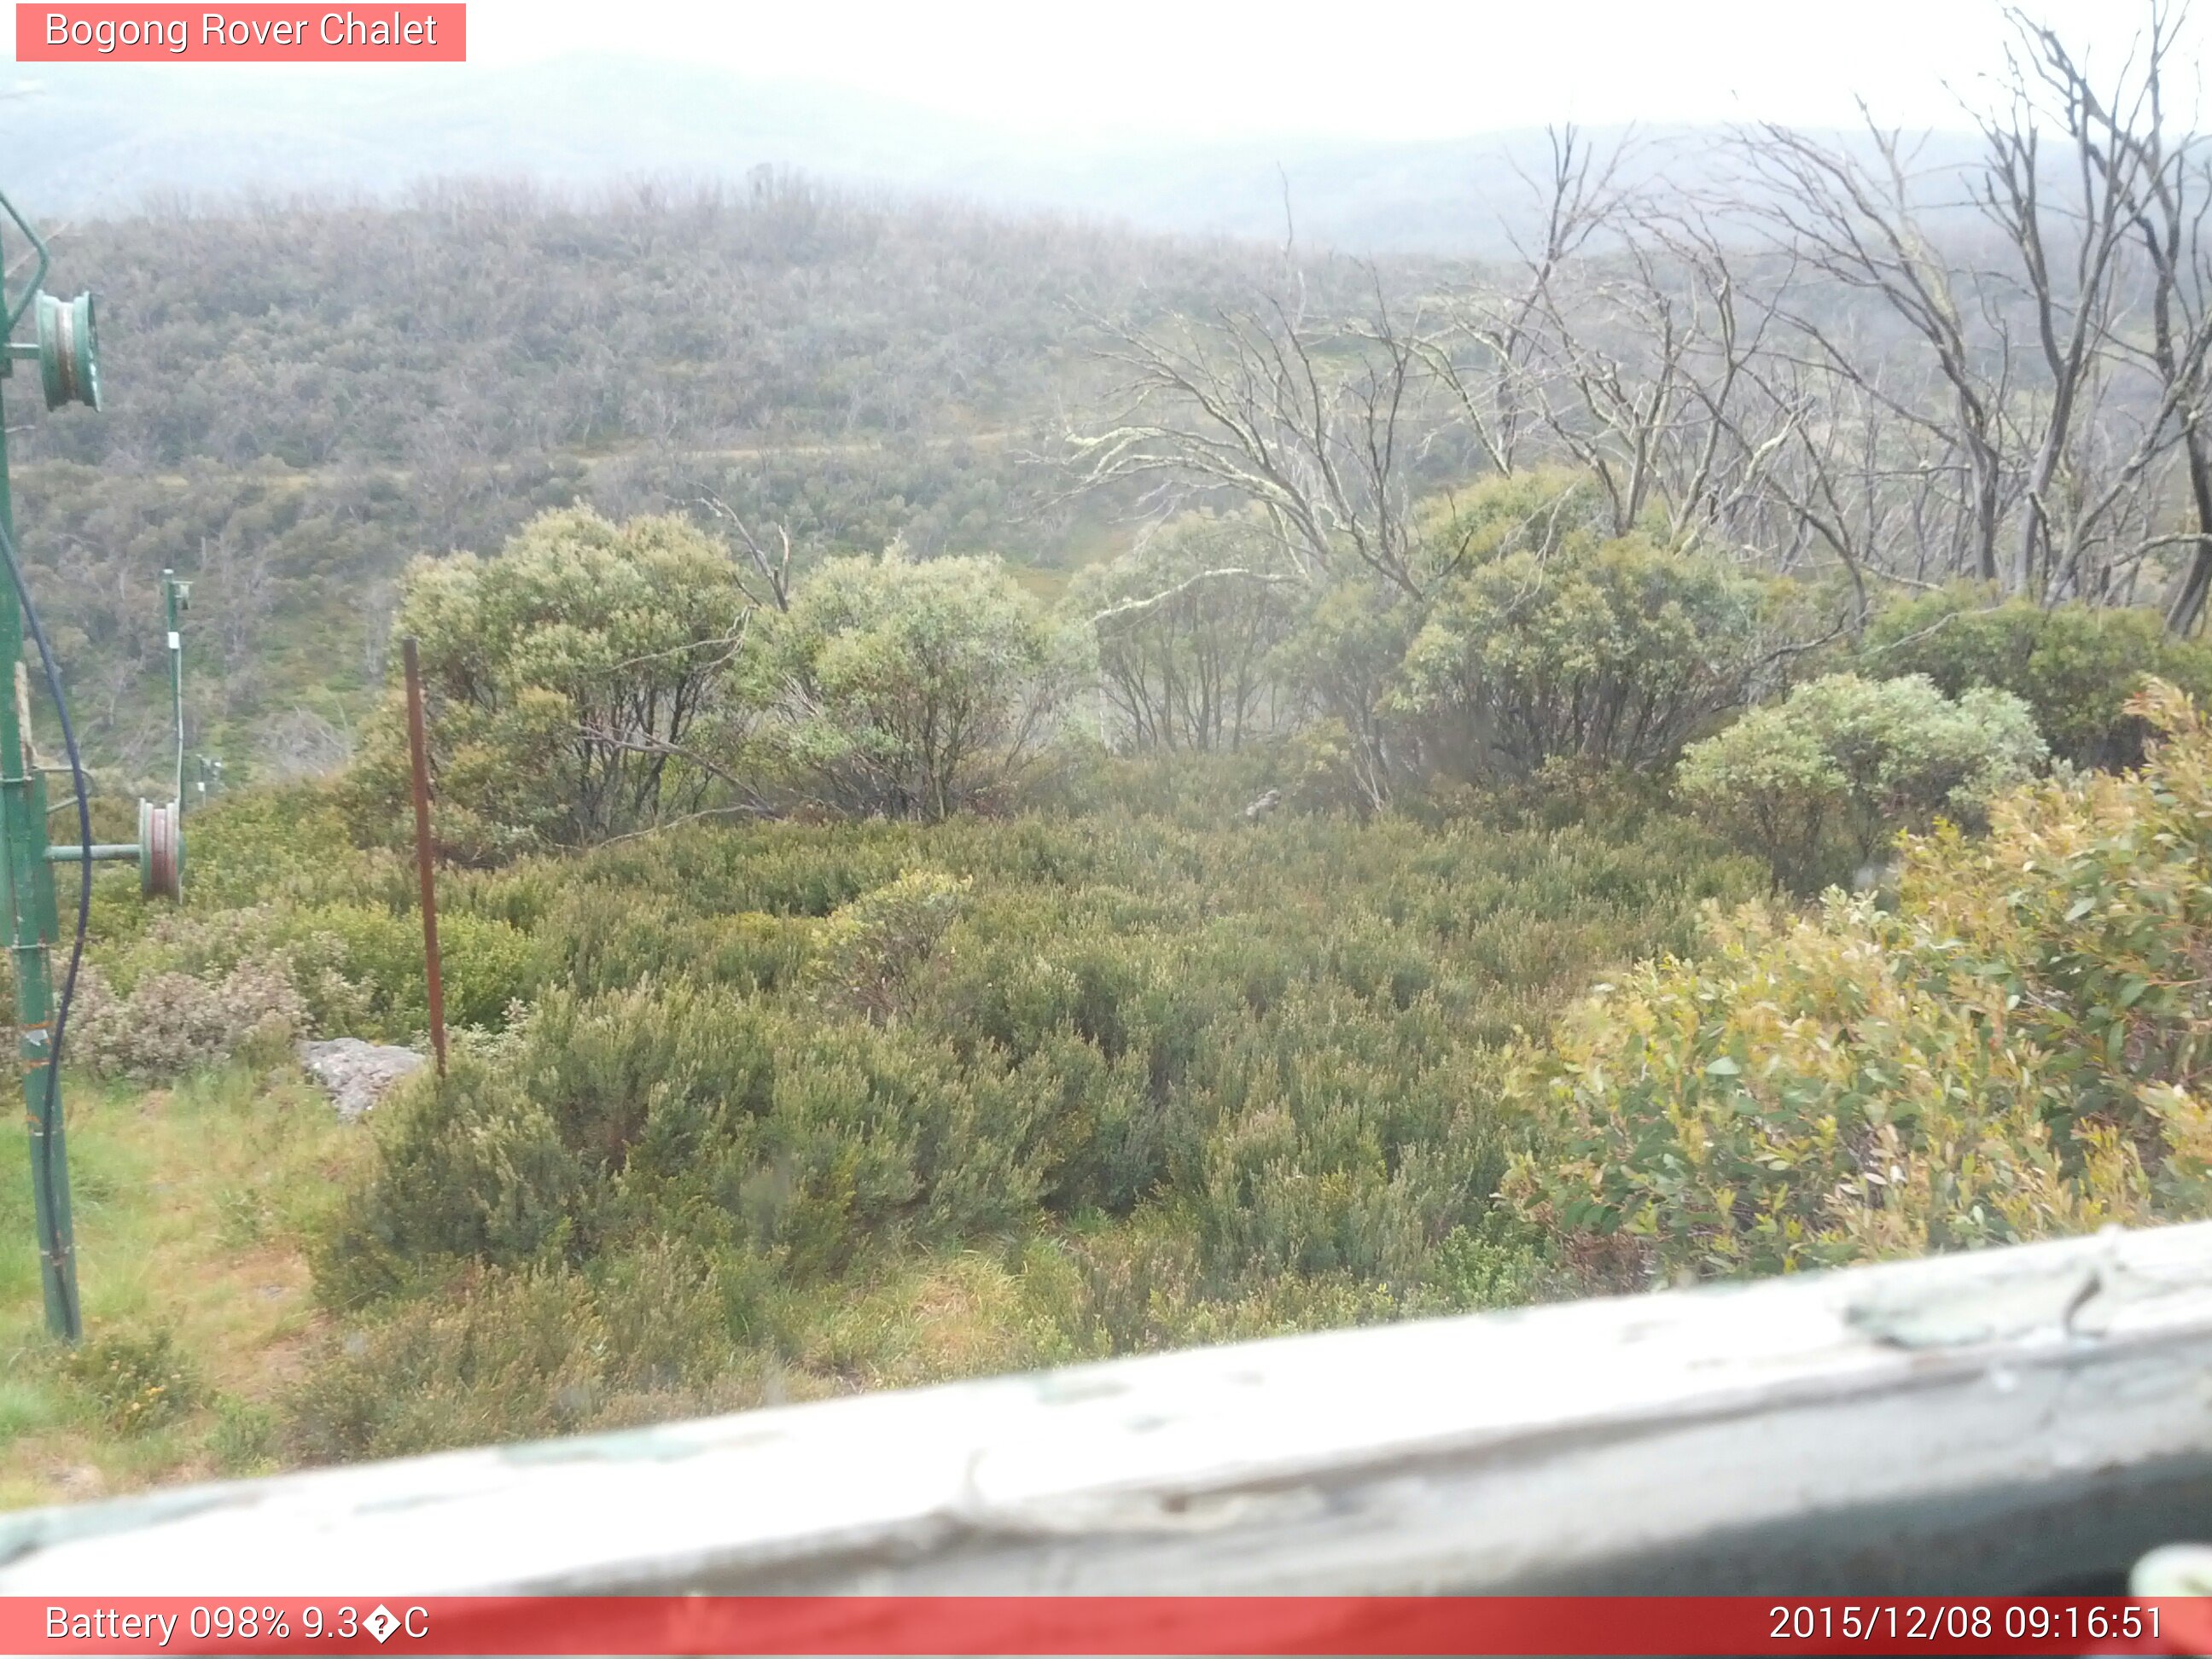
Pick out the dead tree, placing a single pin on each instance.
(2067, 224)
(1646, 379)
(1858, 224)
(1315, 424)
(773, 570)
(2169, 199)
(1483, 355)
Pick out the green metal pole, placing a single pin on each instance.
(30, 891)
(171, 592)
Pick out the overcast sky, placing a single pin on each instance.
(1376, 69)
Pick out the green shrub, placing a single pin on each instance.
(1614, 652)
(1167, 788)
(2092, 904)
(1616, 802)
(355, 970)
(1826, 777)
(869, 948)
(485, 964)
(529, 1354)
(470, 1168)
(1807, 1096)
(244, 1440)
(292, 843)
(908, 689)
(2073, 667)
(576, 686)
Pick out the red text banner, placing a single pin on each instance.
(1103, 1625)
(129, 34)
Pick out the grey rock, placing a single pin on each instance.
(357, 1075)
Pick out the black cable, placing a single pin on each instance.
(50, 1112)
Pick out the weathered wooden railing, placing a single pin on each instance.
(2022, 1420)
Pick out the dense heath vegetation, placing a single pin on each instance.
(1008, 793)
(872, 1020)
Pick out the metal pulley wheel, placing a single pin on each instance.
(68, 351)
(161, 851)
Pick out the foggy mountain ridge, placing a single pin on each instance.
(103, 140)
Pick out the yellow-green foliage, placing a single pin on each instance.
(2019, 1050)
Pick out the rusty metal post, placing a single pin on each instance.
(418, 756)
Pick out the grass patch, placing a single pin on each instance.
(193, 1207)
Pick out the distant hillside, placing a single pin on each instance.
(104, 139)
(301, 397)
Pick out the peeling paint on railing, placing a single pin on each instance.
(2011, 1420)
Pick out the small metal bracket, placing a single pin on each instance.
(38, 277)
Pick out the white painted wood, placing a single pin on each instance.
(2012, 1419)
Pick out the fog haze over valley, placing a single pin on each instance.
(110, 139)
